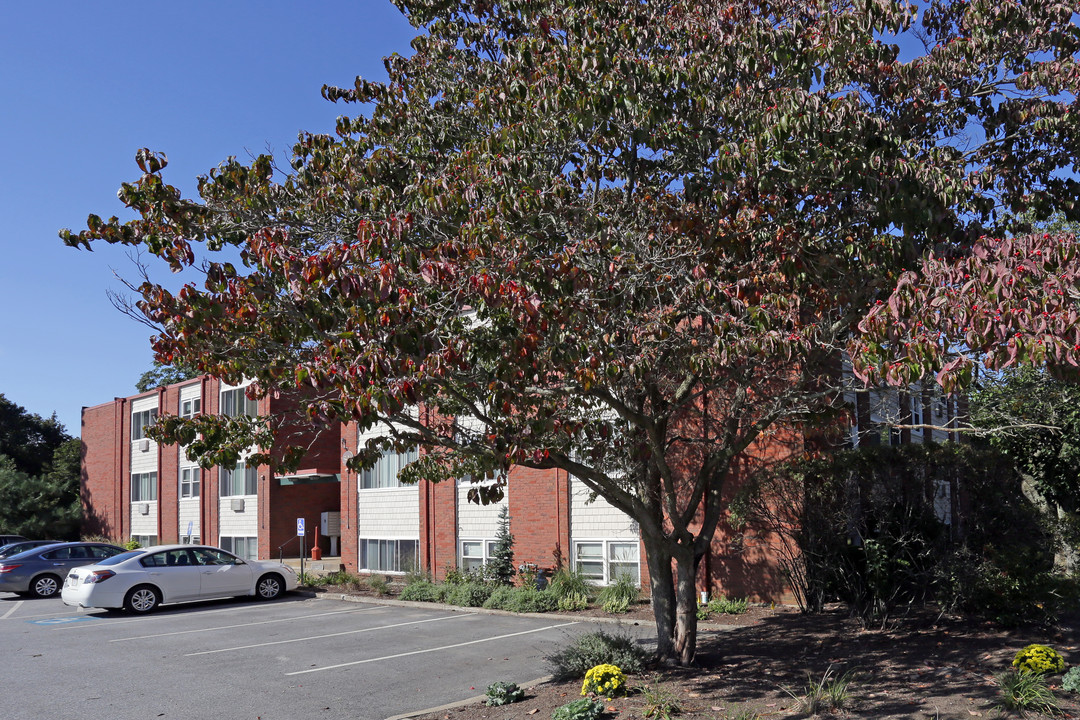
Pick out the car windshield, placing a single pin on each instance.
(25, 554)
(120, 558)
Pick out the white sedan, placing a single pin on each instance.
(140, 580)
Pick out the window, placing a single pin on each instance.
(236, 402)
(245, 547)
(145, 540)
(389, 555)
(475, 553)
(190, 540)
(384, 474)
(241, 481)
(916, 409)
(144, 487)
(140, 421)
(189, 482)
(190, 408)
(604, 561)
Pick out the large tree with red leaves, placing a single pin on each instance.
(627, 240)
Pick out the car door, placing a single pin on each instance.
(60, 560)
(175, 573)
(223, 574)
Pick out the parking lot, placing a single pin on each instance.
(297, 657)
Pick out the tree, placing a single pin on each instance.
(623, 240)
(28, 439)
(501, 564)
(46, 505)
(161, 374)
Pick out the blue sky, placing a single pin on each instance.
(83, 86)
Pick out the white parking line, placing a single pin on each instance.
(429, 650)
(13, 609)
(150, 618)
(248, 624)
(330, 635)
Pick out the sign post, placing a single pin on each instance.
(300, 534)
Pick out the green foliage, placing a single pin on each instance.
(828, 693)
(343, 578)
(469, 594)
(378, 584)
(565, 582)
(580, 709)
(615, 606)
(622, 593)
(503, 693)
(596, 648)
(1039, 659)
(29, 439)
(132, 544)
(723, 606)
(521, 599)
(1026, 692)
(660, 702)
(1070, 682)
(423, 590)
(160, 375)
(604, 680)
(501, 564)
(571, 601)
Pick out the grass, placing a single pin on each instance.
(828, 693)
(1025, 692)
(660, 702)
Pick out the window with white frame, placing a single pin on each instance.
(140, 421)
(189, 482)
(144, 487)
(190, 540)
(236, 402)
(190, 408)
(244, 547)
(242, 480)
(474, 554)
(393, 556)
(384, 474)
(145, 540)
(916, 410)
(602, 561)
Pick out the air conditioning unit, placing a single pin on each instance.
(144, 508)
(144, 445)
(238, 504)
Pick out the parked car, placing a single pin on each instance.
(22, 546)
(8, 539)
(41, 571)
(140, 580)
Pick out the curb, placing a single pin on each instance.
(468, 701)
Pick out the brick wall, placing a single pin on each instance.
(103, 445)
(539, 515)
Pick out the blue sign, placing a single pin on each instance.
(300, 527)
(190, 524)
(61, 620)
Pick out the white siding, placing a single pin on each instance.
(190, 392)
(189, 512)
(144, 524)
(143, 460)
(477, 521)
(389, 513)
(238, 524)
(598, 519)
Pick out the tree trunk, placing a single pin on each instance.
(674, 600)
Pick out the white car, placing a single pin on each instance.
(140, 580)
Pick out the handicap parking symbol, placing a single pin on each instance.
(60, 621)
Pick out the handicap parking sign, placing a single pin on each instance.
(299, 527)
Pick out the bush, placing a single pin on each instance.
(1071, 681)
(470, 594)
(1026, 692)
(531, 600)
(501, 598)
(378, 585)
(571, 601)
(503, 693)
(604, 680)
(583, 709)
(565, 583)
(1039, 660)
(727, 606)
(423, 591)
(596, 648)
(617, 597)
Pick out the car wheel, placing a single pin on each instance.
(269, 587)
(142, 599)
(44, 586)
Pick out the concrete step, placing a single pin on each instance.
(315, 567)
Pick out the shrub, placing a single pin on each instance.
(1039, 660)
(728, 606)
(423, 591)
(660, 703)
(531, 600)
(567, 582)
(829, 693)
(378, 585)
(604, 680)
(501, 598)
(503, 693)
(582, 709)
(616, 606)
(132, 544)
(308, 580)
(1026, 692)
(501, 565)
(1071, 681)
(624, 591)
(571, 601)
(470, 594)
(596, 648)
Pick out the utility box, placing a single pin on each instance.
(330, 526)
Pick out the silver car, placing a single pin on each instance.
(41, 571)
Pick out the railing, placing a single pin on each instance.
(282, 545)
